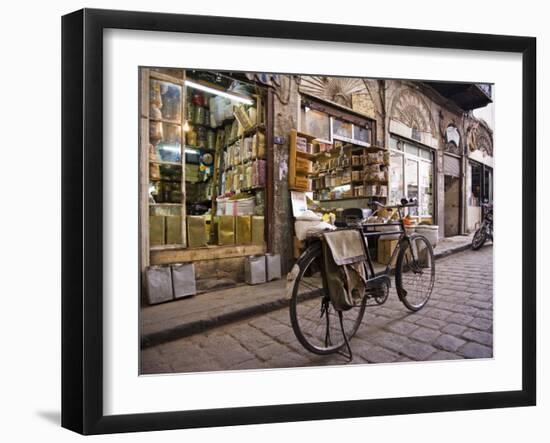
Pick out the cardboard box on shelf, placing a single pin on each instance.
(173, 230)
(196, 231)
(157, 235)
(385, 251)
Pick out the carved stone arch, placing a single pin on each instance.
(480, 137)
(350, 92)
(409, 108)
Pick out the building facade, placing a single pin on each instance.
(439, 154)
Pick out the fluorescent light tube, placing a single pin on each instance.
(236, 98)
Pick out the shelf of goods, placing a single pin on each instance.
(185, 125)
(339, 171)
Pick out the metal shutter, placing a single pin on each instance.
(451, 166)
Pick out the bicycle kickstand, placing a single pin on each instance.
(349, 355)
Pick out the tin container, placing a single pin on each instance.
(254, 269)
(183, 280)
(273, 266)
(158, 284)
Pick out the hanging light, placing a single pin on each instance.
(230, 96)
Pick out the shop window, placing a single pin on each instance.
(425, 202)
(411, 175)
(411, 149)
(316, 123)
(326, 126)
(488, 184)
(476, 178)
(361, 134)
(396, 178)
(207, 161)
(342, 130)
(411, 182)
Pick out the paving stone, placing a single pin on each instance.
(485, 314)
(461, 319)
(456, 323)
(475, 350)
(444, 355)
(271, 350)
(448, 342)
(454, 329)
(375, 354)
(418, 351)
(425, 334)
(479, 336)
(481, 323)
(430, 323)
(480, 304)
(400, 327)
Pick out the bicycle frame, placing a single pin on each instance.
(402, 241)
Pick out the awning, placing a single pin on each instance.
(467, 96)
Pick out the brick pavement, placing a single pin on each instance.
(456, 323)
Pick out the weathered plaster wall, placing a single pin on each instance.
(286, 107)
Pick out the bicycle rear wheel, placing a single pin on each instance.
(479, 238)
(415, 272)
(314, 320)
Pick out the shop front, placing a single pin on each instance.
(204, 168)
(223, 156)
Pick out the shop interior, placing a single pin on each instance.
(207, 159)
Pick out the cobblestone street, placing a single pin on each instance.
(456, 323)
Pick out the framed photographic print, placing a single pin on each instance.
(194, 295)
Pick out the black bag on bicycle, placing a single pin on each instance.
(344, 260)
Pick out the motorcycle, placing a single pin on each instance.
(485, 231)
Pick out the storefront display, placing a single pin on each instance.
(206, 152)
(411, 176)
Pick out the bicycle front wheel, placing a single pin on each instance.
(415, 272)
(314, 320)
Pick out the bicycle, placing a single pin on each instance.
(485, 231)
(323, 330)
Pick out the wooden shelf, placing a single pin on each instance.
(165, 120)
(306, 155)
(165, 204)
(162, 162)
(359, 197)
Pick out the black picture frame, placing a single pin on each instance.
(82, 215)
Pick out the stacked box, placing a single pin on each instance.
(196, 231)
(385, 250)
(226, 230)
(258, 232)
(243, 230)
(173, 230)
(156, 230)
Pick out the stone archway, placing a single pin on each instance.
(409, 108)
